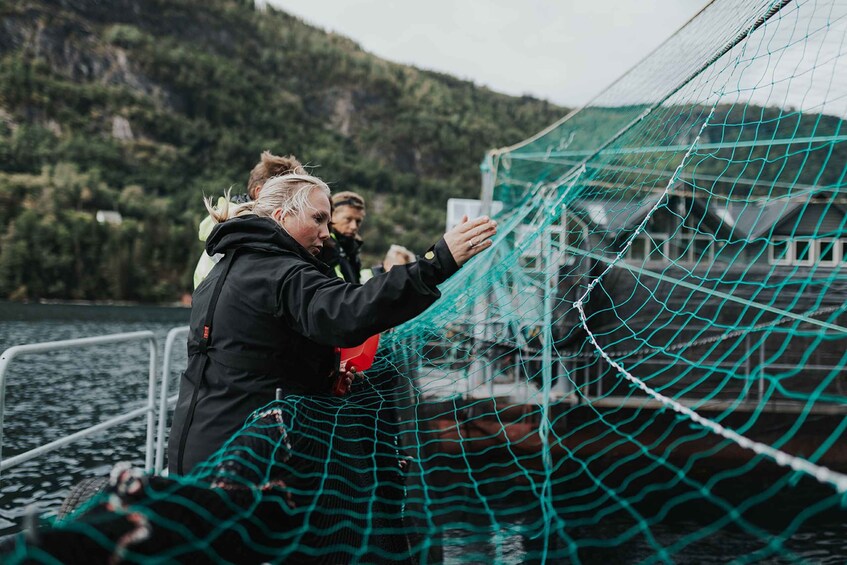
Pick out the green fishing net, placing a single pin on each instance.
(647, 366)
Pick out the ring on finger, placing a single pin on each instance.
(471, 244)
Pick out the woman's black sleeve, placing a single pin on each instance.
(332, 312)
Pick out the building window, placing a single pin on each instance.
(780, 251)
(695, 247)
(828, 252)
(652, 247)
(825, 252)
(638, 249)
(804, 252)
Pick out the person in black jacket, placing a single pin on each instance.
(341, 251)
(270, 315)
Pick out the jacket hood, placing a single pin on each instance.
(260, 234)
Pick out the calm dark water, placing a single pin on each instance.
(54, 394)
(49, 395)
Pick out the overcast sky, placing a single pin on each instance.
(565, 51)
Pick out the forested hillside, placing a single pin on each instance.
(143, 106)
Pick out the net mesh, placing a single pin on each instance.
(647, 366)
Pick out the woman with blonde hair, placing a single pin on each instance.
(281, 313)
(269, 165)
(266, 323)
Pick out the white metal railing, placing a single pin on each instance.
(164, 401)
(148, 409)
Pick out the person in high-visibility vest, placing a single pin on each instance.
(341, 251)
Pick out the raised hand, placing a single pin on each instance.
(469, 237)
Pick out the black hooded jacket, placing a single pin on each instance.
(279, 316)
